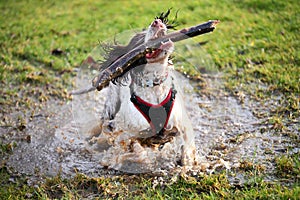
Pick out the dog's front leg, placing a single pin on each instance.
(188, 158)
(112, 103)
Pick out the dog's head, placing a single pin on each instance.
(156, 59)
(158, 29)
(160, 55)
(160, 25)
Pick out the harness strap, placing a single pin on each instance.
(156, 115)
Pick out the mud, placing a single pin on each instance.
(227, 133)
(227, 130)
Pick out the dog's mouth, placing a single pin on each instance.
(164, 47)
(154, 53)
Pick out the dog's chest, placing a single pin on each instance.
(132, 118)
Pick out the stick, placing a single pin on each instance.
(120, 65)
(83, 91)
(123, 63)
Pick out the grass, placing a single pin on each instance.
(145, 187)
(288, 166)
(256, 44)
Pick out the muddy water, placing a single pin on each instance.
(226, 130)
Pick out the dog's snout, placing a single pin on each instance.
(157, 23)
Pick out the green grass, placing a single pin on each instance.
(288, 166)
(144, 187)
(256, 43)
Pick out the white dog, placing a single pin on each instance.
(147, 106)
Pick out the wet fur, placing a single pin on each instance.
(120, 111)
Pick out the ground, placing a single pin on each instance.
(255, 48)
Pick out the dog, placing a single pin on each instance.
(144, 109)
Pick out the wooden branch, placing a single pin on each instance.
(122, 64)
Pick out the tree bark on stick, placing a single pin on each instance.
(123, 64)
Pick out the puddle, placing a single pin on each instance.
(226, 134)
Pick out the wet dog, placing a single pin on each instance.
(145, 109)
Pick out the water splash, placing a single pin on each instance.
(227, 132)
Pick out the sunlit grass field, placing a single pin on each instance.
(41, 42)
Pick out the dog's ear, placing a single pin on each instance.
(114, 51)
(164, 18)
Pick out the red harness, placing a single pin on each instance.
(156, 115)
